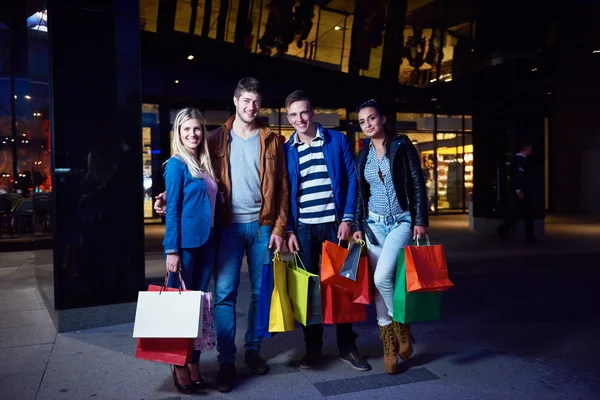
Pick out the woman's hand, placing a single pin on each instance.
(419, 232)
(357, 236)
(173, 262)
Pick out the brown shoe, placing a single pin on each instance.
(390, 360)
(402, 333)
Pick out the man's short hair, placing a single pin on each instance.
(297, 95)
(249, 85)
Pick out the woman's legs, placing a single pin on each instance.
(384, 258)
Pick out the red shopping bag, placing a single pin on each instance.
(362, 292)
(338, 307)
(332, 260)
(170, 351)
(426, 269)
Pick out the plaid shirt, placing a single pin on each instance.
(378, 174)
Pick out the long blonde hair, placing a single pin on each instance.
(196, 165)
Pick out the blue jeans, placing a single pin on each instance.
(237, 240)
(197, 267)
(393, 234)
(310, 239)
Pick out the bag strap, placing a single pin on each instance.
(361, 242)
(298, 259)
(416, 242)
(181, 282)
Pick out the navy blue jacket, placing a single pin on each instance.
(189, 212)
(339, 159)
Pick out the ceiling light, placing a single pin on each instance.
(596, 51)
(533, 69)
(28, 97)
(176, 80)
(190, 57)
(337, 28)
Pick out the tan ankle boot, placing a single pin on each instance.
(402, 333)
(390, 360)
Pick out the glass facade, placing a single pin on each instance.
(322, 35)
(25, 144)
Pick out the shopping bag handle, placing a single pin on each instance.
(298, 259)
(181, 282)
(427, 241)
(359, 241)
(277, 256)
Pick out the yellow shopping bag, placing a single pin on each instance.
(281, 316)
(304, 290)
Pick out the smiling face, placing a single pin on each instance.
(191, 134)
(371, 122)
(300, 115)
(247, 106)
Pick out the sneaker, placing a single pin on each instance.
(257, 365)
(226, 377)
(357, 361)
(309, 359)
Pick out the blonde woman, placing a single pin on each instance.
(189, 243)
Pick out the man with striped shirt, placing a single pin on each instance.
(323, 190)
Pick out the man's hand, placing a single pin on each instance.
(276, 241)
(344, 231)
(418, 232)
(160, 205)
(520, 195)
(358, 236)
(292, 243)
(173, 262)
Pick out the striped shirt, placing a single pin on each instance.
(378, 174)
(315, 197)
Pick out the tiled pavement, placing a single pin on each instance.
(521, 323)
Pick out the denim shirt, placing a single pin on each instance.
(378, 174)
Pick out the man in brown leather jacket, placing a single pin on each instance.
(249, 162)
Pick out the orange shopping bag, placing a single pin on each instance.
(332, 260)
(426, 268)
(362, 292)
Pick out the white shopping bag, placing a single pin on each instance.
(168, 314)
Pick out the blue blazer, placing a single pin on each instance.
(189, 212)
(339, 159)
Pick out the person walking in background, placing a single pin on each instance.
(189, 241)
(322, 180)
(521, 195)
(391, 212)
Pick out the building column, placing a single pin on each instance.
(98, 228)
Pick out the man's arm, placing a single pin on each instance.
(281, 194)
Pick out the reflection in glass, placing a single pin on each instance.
(148, 15)
(33, 137)
(6, 136)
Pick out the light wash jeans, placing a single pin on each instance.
(238, 240)
(393, 234)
